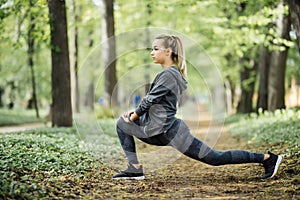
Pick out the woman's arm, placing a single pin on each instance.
(162, 86)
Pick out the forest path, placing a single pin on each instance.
(21, 127)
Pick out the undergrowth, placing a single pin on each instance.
(278, 130)
(33, 162)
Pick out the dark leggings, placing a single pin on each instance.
(179, 137)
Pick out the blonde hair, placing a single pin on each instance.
(178, 55)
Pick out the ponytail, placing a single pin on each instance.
(181, 64)
(178, 55)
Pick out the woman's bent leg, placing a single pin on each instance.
(126, 131)
(128, 145)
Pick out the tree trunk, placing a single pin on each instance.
(229, 95)
(294, 9)
(61, 86)
(1, 94)
(263, 71)
(109, 52)
(12, 95)
(148, 24)
(75, 58)
(89, 96)
(30, 52)
(247, 76)
(276, 87)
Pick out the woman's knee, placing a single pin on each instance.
(121, 124)
(130, 128)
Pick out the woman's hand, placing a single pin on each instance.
(126, 115)
(130, 116)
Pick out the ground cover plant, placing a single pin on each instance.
(33, 162)
(28, 158)
(279, 130)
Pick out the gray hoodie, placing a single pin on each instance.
(158, 108)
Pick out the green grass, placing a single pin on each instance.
(279, 130)
(33, 162)
(16, 117)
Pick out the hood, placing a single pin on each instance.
(178, 77)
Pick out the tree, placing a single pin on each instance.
(276, 80)
(263, 71)
(61, 87)
(90, 93)
(256, 22)
(75, 56)
(247, 74)
(227, 32)
(248, 77)
(30, 52)
(294, 9)
(109, 51)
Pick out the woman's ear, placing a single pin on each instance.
(168, 51)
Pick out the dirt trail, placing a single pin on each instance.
(22, 127)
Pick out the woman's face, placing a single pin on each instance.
(158, 52)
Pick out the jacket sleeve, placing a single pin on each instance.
(164, 84)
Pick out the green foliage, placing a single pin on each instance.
(33, 162)
(5, 9)
(293, 67)
(248, 25)
(31, 155)
(13, 64)
(226, 31)
(104, 112)
(101, 138)
(108, 126)
(274, 130)
(14, 117)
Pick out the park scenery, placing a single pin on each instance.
(70, 68)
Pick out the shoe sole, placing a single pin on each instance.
(131, 178)
(279, 159)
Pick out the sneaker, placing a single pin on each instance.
(271, 165)
(131, 173)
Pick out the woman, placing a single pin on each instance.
(154, 120)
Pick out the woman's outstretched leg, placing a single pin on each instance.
(194, 148)
(202, 152)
